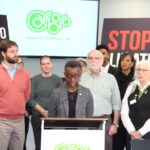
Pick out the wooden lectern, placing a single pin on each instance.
(73, 133)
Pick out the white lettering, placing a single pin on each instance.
(2, 33)
(114, 57)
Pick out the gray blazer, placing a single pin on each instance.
(59, 102)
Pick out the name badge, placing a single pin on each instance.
(132, 101)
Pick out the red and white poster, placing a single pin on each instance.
(124, 27)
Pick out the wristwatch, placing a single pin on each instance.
(116, 125)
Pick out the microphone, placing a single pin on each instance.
(53, 111)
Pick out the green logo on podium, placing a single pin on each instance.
(71, 147)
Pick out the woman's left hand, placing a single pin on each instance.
(135, 135)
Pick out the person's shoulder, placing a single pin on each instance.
(133, 84)
(57, 79)
(85, 91)
(56, 76)
(131, 87)
(1, 66)
(24, 71)
(59, 90)
(37, 77)
(83, 88)
(112, 70)
(108, 76)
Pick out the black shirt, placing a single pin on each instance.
(72, 99)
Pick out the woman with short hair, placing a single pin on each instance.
(135, 112)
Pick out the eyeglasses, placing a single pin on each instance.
(142, 70)
(94, 58)
(76, 76)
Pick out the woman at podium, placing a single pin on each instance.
(71, 99)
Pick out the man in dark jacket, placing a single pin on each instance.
(106, 66)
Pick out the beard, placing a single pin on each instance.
(11, 60)
(94, 67)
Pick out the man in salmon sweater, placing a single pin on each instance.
(14, 94)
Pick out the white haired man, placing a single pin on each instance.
(105, 91)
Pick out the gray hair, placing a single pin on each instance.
(144, 64)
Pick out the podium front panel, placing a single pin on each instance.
(73, 134)
(72, 140)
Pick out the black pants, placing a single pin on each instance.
(120, 139)
(36, 125)
(26, 131)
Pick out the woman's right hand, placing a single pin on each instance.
(45, 113)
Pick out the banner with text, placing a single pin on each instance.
(4, 34)
(127, 35)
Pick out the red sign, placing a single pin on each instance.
(127, 35)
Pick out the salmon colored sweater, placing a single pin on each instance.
(14, 93)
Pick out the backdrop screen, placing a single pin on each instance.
(61, 28)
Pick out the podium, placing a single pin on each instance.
(140, 144)
(73, 133)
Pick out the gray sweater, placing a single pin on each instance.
(41, 90)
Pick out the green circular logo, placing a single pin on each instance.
(53, 22)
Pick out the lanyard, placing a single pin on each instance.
(140, 93)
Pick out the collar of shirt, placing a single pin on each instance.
(145, 86)
(105, 69)
(11, 70)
